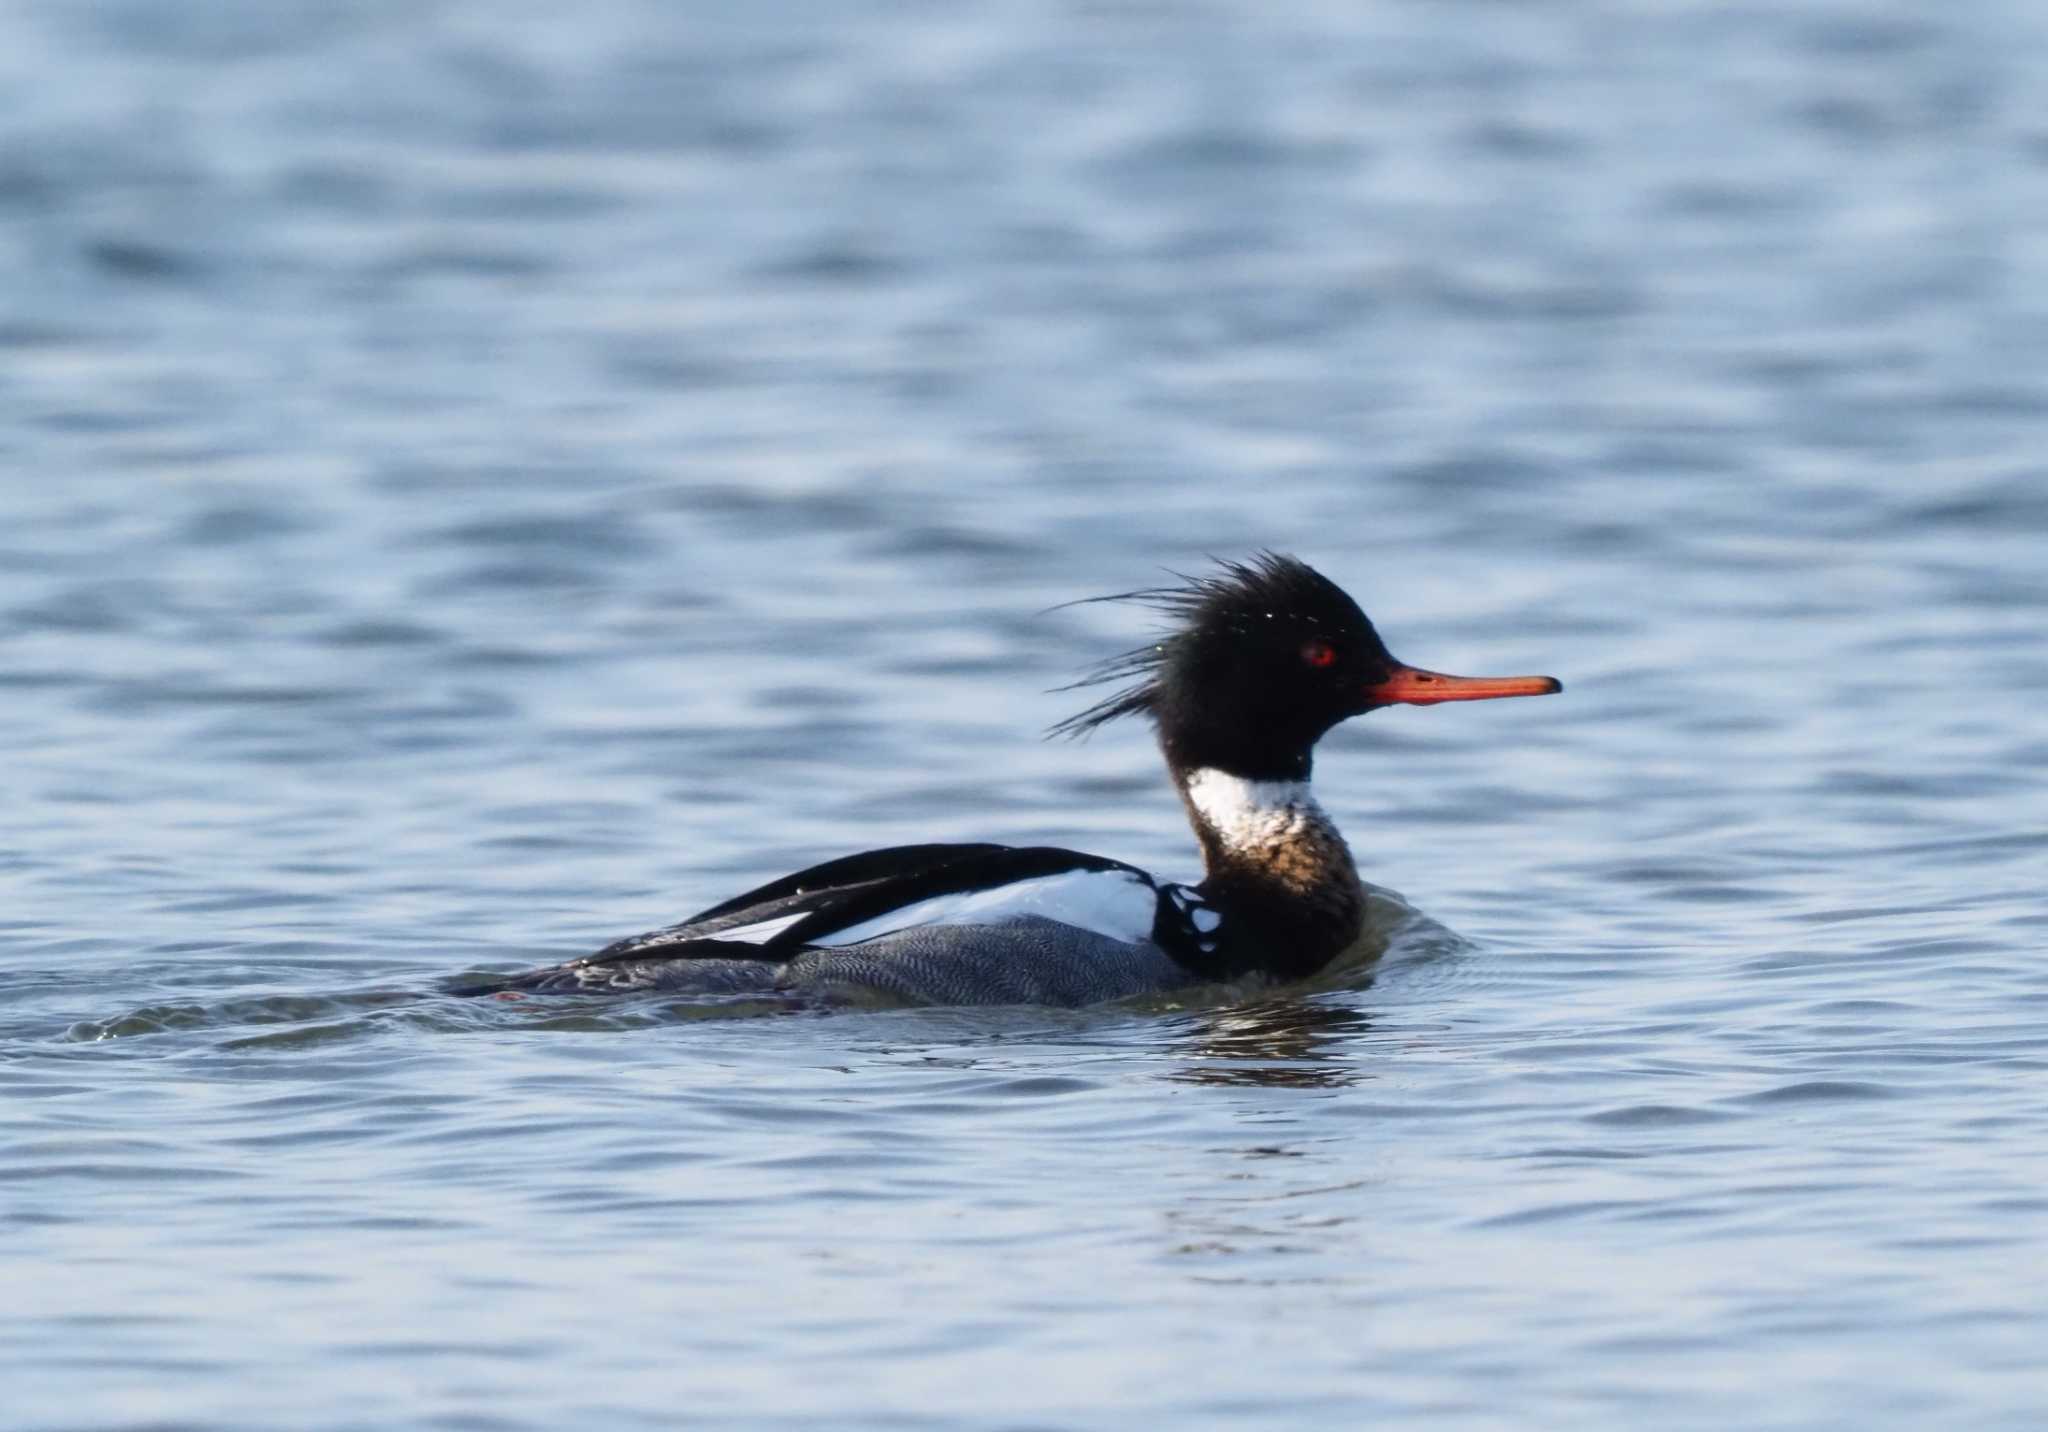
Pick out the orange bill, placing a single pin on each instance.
(1415, 687)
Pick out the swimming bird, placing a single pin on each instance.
(1261, 658)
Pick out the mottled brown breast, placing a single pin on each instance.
(1287, 882)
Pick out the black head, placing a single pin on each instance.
(1264, 657)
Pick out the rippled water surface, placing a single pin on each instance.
(486, 478)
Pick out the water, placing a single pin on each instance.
(484, 479)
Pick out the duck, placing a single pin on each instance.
(1256, 661)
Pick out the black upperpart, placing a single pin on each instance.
(1264, 657)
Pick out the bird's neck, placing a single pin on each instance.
(1276, 864)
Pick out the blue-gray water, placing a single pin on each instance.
(485, 478)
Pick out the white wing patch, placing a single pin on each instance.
(1113, 903)
(759, 933)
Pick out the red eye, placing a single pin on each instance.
(1317, 652)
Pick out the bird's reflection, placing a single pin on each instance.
(1281, 1043)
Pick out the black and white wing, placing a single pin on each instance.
(865, 897)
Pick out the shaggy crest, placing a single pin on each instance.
(1229, 599)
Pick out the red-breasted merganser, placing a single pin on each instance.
(1262, 658)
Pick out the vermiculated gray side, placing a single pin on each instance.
(1027, 960)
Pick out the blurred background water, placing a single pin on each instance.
(481, 479)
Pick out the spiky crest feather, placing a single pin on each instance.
(1225, 599)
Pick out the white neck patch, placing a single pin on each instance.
(1252, 815)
